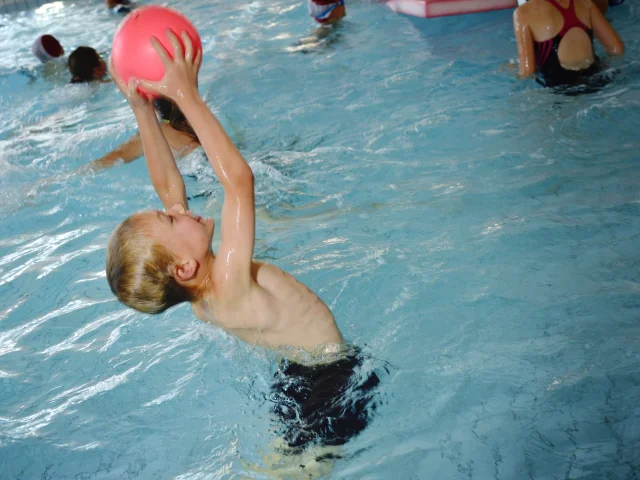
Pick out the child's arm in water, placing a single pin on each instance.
(164, 173)
(132, 149)
(126, 152)
(524, 38)
(181, 143)
(605, 33)
(180, 84)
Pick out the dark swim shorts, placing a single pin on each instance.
(578, 82)
(324, 404)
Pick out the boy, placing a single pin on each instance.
(156, 260)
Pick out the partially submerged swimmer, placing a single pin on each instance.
(159, 259)
(555, 41)
(50, 52)
(86, 65)
(327, 12)
(46, 48)
(181, 137)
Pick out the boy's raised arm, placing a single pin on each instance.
(163, 171)
(238, 212)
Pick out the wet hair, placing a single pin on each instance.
(51, 45)
(170, 112)
(139, 271)
(82, 64)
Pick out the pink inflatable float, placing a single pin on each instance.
(443, 8)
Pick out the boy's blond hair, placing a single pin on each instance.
(139, 270)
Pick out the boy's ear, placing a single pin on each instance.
(187, 270)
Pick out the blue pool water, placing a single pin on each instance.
(475, 234)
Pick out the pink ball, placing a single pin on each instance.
(132, 52)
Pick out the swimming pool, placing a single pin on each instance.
(475, 234)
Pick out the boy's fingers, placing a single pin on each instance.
(188, 47)
(155, 87)
(133, 87)
(198, 58)
(161, 51)
(178, 52)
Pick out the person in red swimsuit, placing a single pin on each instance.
(555, 40)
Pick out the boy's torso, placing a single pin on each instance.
(278, 312)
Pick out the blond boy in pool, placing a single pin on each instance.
(158, 259)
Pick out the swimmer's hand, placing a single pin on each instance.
(180, 79)
(510, 66)
(130, 91)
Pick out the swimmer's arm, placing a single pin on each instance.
(526, 53)
(127, 152)
(163, 171)
(603, 5)
(605, 33)
(232, 274)
(236, 177)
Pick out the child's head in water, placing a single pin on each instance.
(47, 47)
(153, 258)
(86, 65)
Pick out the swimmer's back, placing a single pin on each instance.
(575, 49)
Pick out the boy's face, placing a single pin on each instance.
(183, 234)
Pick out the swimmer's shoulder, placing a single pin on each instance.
(534, 13)
(585, 5)
(521, 13)
(530, 6)
(222, 306)
(182, 142)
